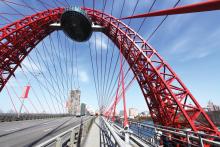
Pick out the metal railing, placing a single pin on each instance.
(157, 134)
(133, 139)
(113, 139)
(72, 137)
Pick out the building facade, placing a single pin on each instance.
(133, 112)
(121, 113)
(212, 107)
(83, 109)
(73, 104)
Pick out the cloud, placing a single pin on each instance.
(83, 76)
(203, 47)
(31, 66)
(98, 42)
(101, 44)
(179, 46)
(194, 56)
(184, 39)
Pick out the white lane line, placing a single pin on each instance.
(45, 123)
(58, 124)
(47, 130)
(11, 129)
(53, 126)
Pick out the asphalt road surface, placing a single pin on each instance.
(32, 132)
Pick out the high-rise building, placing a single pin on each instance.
(133, 112)
(212, 107)
(73, 103)
(83, 109)
(121, 113)
(90, 110)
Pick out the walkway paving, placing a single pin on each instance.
(93, 138)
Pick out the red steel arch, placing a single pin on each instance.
(169, 101)
(19, 38)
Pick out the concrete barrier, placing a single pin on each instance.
(7, 117)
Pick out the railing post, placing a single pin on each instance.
(80, 134)
(158, 136)
(58, 142)
(126, 131)
(72, 138)
(187, 139)
(201, 141)
(84, 129)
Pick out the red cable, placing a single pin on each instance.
(29, 98)
(119, 97)
(33, 105)
(18, 98)
(116, 99)
(123, 91)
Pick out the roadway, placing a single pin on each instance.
(32, 132)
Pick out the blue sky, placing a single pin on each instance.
(189, 43)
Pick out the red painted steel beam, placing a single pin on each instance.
(210, 5)
(165, 94)
(19, 38)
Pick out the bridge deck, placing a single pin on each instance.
(93, 138)
(33, 132)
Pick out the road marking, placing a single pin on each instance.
(12, 129)
(47, 130)
(45, 123)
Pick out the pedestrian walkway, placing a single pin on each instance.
(93, 138)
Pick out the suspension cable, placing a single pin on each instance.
(58, 81)
(123, 89)
(143, 20)
(45, 80)
(43, 86)
(160, 24)
(137, 31)
(45, 64)
(77, 68)
(93, 73)
(110, 64)
(35, 93)
(97, 71)
(44, 4)
(13, 8)
(19, 99)
(72, 71)
(103, 77)
(157, 26)
(60, 46)
(114, 46)
(67, 3)
(118, 56)
(12, 102)
(28, 98)
(51, 57)
(52, 79)
(66, 63)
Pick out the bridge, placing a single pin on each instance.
(42, 44)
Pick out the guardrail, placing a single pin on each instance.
(157, 134)
(132, 139)
(72, 137)
(113, 139)
(6, 117)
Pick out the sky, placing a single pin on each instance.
(188, 42)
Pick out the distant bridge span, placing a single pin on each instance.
(169, 101)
